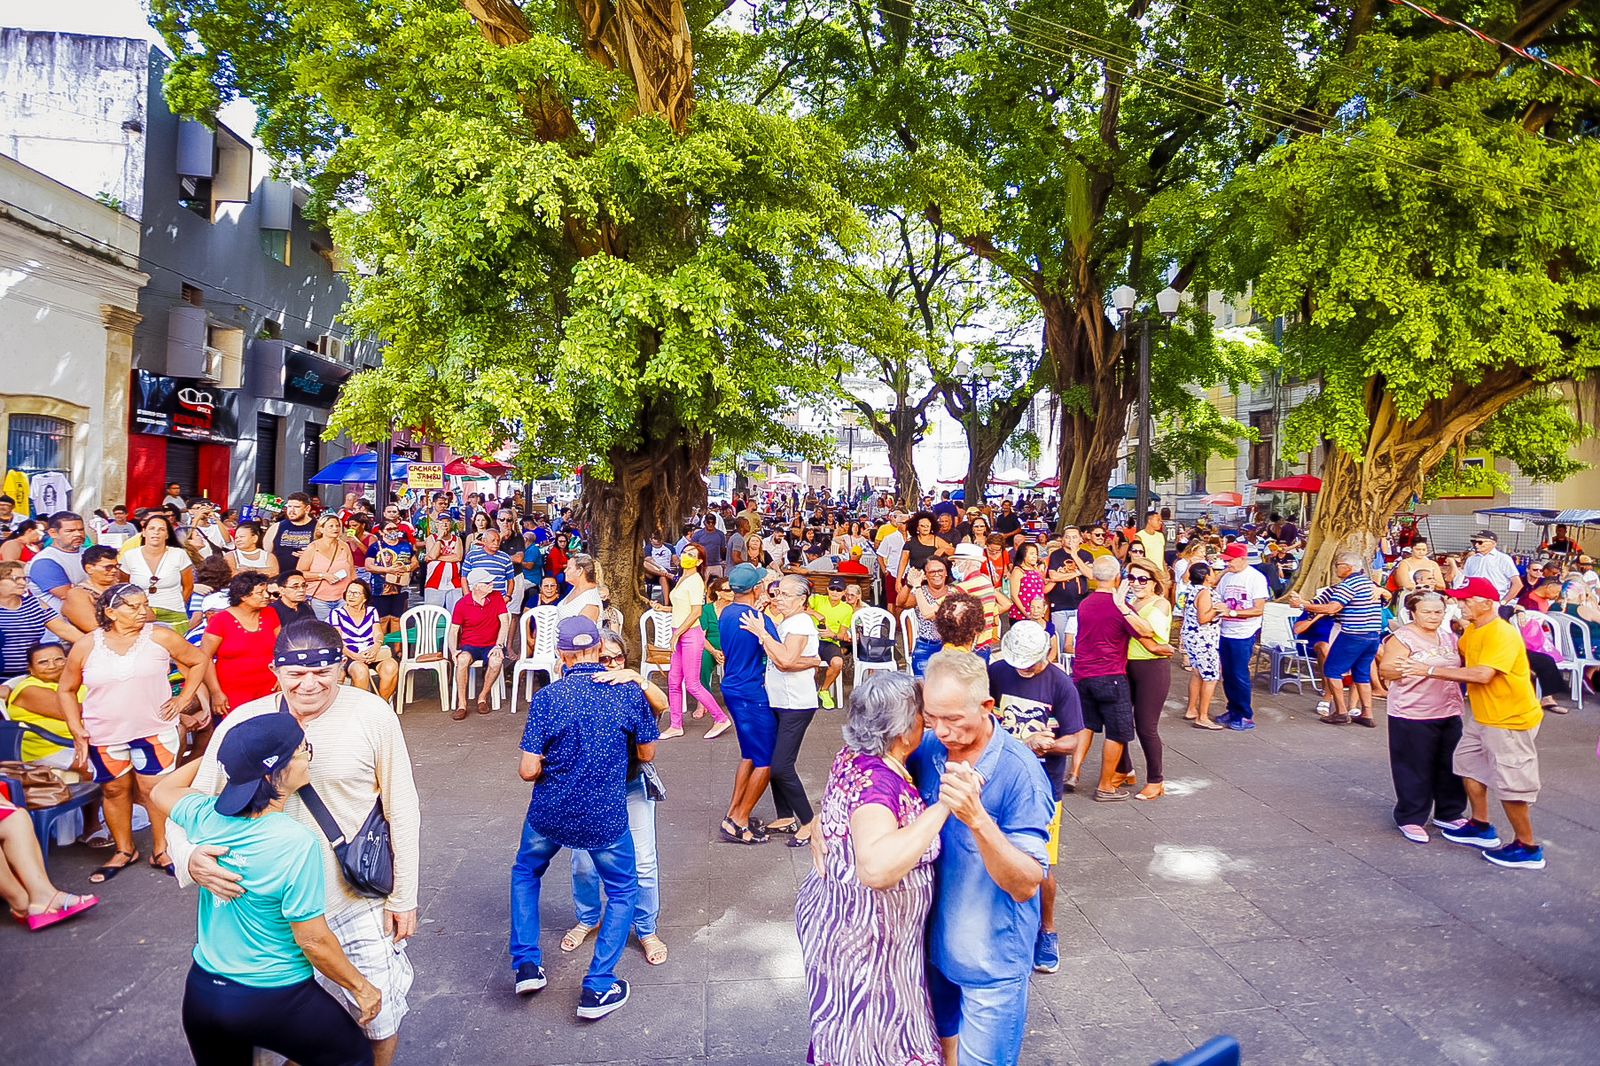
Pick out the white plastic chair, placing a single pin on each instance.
(1577, 648)
(537, 652)
(655, 630)
(908, 633)
(872, 622)
(422, 633)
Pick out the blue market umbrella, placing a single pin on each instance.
(1129, 492)
(358, 470)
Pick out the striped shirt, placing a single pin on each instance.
(20, 629)
(1362, 614)
(357, 634)
(499, 563)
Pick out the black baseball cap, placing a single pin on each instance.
(836, 584)
(250, 752)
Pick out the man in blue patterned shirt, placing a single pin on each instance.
(486, 555)
(576, 749)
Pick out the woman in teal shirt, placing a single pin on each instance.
(251, 984)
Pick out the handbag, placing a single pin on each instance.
(43, 786)
(366, 859)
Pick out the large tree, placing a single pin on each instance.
(578, 245)
(1434, 245)
(1040, 134)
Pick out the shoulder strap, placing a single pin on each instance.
(320, 812)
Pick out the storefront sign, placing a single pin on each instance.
(425, 476)
(184, 407)
(311, 380)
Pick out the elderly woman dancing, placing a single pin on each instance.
(863, 909)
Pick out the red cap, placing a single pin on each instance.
(1475, 586)
(1235, 551)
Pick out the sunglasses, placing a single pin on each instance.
(613, 660)
(1139, 580)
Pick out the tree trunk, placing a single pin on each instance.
(983, 444)
(653, 489)
(1094, 392)
(1352, 514)
(906, 487)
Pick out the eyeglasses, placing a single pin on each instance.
(306, 747)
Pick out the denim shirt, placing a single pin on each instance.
(978, 935)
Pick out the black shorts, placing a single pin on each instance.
(390, 604)
(829, 650)
(1107, 706)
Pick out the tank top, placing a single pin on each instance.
(125, 692)
(1424, 698)
(292, 539)
(256, 560)
(357, 633)
(324, 586)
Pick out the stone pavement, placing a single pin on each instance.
(1268, 896)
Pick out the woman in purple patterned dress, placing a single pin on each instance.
(863, 909)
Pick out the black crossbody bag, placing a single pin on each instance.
(366, 859)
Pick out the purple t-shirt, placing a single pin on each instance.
(1102, 645)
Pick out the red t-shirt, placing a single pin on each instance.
(480, 623)
(244, 659)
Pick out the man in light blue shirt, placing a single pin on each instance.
(990, 867)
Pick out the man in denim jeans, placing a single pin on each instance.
(576, 748)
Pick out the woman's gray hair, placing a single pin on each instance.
(882, 708)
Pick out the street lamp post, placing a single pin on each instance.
(1123, 298)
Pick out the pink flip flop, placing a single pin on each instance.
(37, 922)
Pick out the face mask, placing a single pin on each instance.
(689, 562)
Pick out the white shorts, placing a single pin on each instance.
(380, 960)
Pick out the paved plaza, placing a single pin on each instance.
(1268, 897)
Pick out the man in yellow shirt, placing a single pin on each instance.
(833, 616)
(1496, 751)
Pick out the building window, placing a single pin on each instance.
(192, 294)
(275, 242)
(38, 444)
(1265, 423)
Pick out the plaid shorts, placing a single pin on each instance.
(380, 960)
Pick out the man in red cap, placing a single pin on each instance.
(1496, 751)
(1244, 594)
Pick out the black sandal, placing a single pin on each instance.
(734, 833)
(105, 873)
(787, 830)
(798, 842)
(165, 867)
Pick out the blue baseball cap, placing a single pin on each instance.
(577, 633)
(250, 752)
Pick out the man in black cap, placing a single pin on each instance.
(577, 747)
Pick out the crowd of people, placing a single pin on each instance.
(231, 680)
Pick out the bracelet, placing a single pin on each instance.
(1429, 673)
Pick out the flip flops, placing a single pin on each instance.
(71, 907)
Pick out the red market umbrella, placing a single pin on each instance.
(1293, 483)
(476, 467)
(1050, 483)
(1223, 499)
(461, 468)
(493, 467)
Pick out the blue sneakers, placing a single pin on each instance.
(594, 1005)
(1242, 725)
(1046, 953)
(1474, 834)
(1517, 856)
(530, 978)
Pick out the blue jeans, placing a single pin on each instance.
(1236, 653)
(586, 879)
(989, 1021)
(921, 652)
(616, 866)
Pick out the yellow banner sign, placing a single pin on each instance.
(425, 475)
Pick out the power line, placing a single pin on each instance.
(1202, 94)
(1210, 105)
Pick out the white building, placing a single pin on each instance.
(69, 289)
